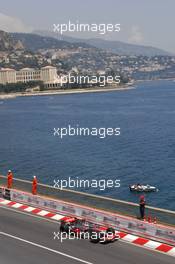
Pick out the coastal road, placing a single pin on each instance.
(28, 239)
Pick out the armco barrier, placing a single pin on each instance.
(116, 206)
(1, 192)
(127, 224)
(5, 193)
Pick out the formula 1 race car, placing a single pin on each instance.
(103, 235)
(87, 230)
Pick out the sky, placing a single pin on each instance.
(144, 22)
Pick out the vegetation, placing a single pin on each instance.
(20, 87)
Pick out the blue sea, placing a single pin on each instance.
(143, 153)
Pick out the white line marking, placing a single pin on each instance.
(43, 213)
(130, 238)
(29, 209)
(46, 248)
(17, 205)
(57, 217)
(152, 244)
(5, 202)
(144, 248)
(171, 252)
(28, 214)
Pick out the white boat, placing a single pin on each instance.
(142, 188)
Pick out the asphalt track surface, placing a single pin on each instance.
(30, 240)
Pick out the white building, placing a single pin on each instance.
(7, 75)
(27, 75)
(46, 74)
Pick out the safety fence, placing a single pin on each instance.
(166, 217)
(119, 222)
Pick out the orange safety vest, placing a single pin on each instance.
(9, 180)
(34, 186)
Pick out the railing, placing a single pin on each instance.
(108, 204)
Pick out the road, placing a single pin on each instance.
(28, 239)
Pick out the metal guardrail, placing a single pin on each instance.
(164, 234)
(108, 204)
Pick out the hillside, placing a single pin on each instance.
(8, 43)
(35, 42)
(118, 47)
(49, 40)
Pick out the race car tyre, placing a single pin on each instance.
(64, 228)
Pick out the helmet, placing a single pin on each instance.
(142, 197)
(9, 171)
